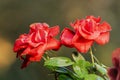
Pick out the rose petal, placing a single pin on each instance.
(34, 55)
(76, 24)
(118, 75)
(37, 26)
(116, 57)
(29, 59)
(81, 44)
(26, 50)
(36, 38)
(103, 38)
(113, 72)
(88, 29)
(19, 52)
(66, 37)
(76, 37)
(53, 31)
(38, 50)
(94, 18)
(20, 43)
(53, 44)
(104, 27)
(25, 62)
(39, 36)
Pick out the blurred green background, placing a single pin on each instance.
(17, 15)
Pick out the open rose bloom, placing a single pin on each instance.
(85, 33)
(32, 46)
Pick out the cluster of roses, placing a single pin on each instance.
(31, 47)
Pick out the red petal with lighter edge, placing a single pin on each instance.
(103, 38)
(104, 27)
(53, 44)
(20, 43)
(38, 50)
(37, 26)
(94, 18)
(76, 24)
(89, 30)
(53, 31)
(66, 37)
(82, 45)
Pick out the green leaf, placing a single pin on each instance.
(58, 62)
(80, 71)
(65, 71)
(100, 69)
(80, 68)
(83, 63)
(77, 56)
(93, 77)
(64, 77)
(62, 70)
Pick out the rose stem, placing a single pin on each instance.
(92, 57)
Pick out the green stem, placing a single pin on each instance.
(44, 58)
(92, 56)
(96, 59)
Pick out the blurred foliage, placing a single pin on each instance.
(17, 15)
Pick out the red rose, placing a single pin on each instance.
(86, 31)
(31, 46)
(114, 72)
